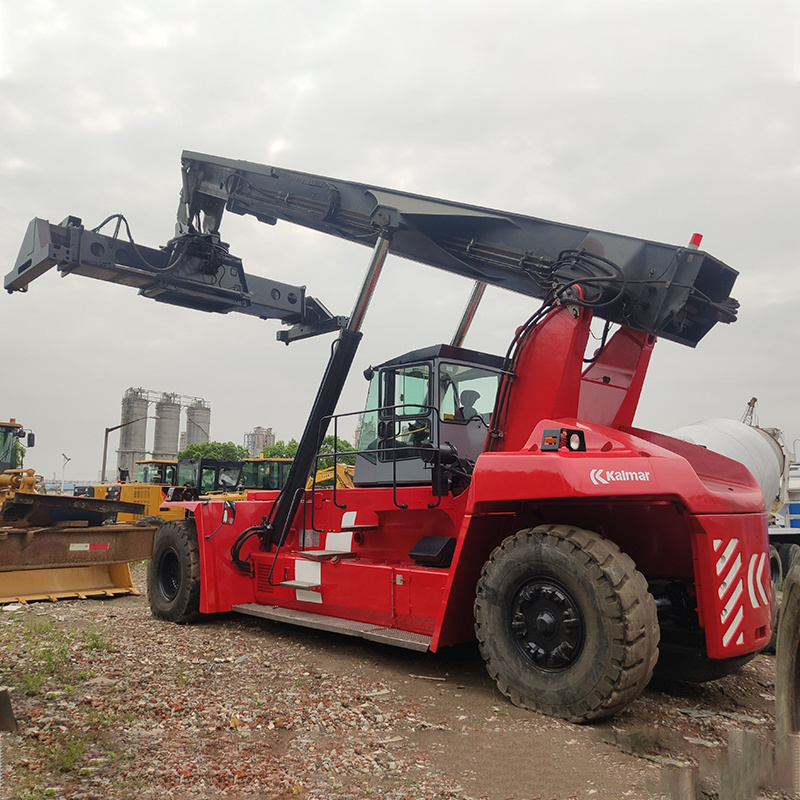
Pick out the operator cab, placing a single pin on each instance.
(265, 473)
(439, 397)
(10, 448)
(157, 470)
(206, 475)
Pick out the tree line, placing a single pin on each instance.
(228, 451)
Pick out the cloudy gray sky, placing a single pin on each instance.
(652, 118)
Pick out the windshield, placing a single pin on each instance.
(266, 474)
(229, 477)
(8, 448)
(187, 473)
(155, 472)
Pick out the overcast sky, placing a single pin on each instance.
(652, 118)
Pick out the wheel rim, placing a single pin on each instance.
(547, 624)
(169, 575)
(775, 568)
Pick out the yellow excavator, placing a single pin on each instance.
(56, 546)
(343, 473)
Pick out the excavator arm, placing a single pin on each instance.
(677, 293)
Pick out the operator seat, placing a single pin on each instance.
(469, 397)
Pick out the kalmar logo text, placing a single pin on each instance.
(601, 477)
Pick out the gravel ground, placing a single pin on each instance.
(114, 704)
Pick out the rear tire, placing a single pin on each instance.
(173, 573)
(787, 661)
(789, 552)
(776, 576)
(565, 623)
(150, 520)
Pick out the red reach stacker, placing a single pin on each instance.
(505, 497)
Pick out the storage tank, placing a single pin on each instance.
(754, 447)
(198, 422)
(168, 426)
(133, 433)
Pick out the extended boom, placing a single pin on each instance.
(677, 293)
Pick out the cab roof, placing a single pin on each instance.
(447, 352)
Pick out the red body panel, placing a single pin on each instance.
(681, 512)
(734, 585)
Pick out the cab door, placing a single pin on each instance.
(399, 425)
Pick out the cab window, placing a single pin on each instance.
(406, 410)
(207, 479)
(368, 432)
(406, 391)
(398, 419)
(466, 392)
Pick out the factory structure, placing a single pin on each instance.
(257, 439)
(139, 406)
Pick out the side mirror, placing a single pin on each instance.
(228, 512)
(31, 439)
(368, 373)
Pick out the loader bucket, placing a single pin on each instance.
(58, 583)
(55, 563)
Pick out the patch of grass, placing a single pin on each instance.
(111, 718)
(39, 625)
(45, 651)
(67, 755)
(92, 640)
(31, 682)
(133, 782)
(54, 657)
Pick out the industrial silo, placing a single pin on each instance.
(168, 426)
(198, 422)
(133, 430)
(257, 439)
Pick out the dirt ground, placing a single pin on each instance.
(111, 703)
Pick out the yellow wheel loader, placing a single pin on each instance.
(154, 477)
(55, 546)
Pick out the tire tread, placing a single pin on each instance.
(186, 607)
(630, 607)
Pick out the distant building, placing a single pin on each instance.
(258, 439)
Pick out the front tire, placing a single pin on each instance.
(565, 623)
(173, 573)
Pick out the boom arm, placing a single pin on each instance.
(676, 293)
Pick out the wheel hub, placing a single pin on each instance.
(547, 624)
(169, 574)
